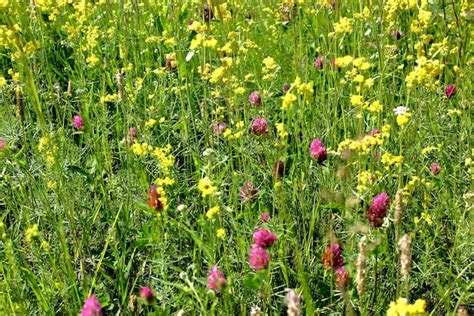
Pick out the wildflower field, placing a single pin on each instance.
(253, 157)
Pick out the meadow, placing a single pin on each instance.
(253, 157)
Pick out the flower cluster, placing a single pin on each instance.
(259, 257)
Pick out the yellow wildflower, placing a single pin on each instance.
(212, 211)
(288, 99)
(32, 232)
(220, 232)
(206, 187)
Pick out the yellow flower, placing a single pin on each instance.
(281, 130)
(150, 123)
(402, 308)
(343, 26)
(164, 181)
(220, 232)
(217, 75)
(170, 41)
(356, 99)
(196, 42)
(32, 232)
(139, 149)
(3, 81)
(375, 107)
(196, 26)
(288, 100)
(45, 245)
(307, 90)
(210, 43)
(212, 211)
(206, 187)
(269, 63)
(358, 79)
(389, 160)
(109, 98)
(4, 4)
(403, 119)
(92, 60)
(344, 61)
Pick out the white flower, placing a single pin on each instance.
(401, 110)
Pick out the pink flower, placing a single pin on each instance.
(77, 122)
(435, 168)
(2, 144)
(450, 91)
(374, 132)
(258, 258)
(132, 132)
(318, 151)
(318, 62)
(332, 257)
(342, 278)
(154, 198)
(254, 98)
(147, 295)
(91, 307)
(265, 217)
(259, 126)
(215, 279)
(248, 192)
(378, 209)
(219, 128)
(264, 238)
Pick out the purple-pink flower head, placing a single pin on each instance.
(258, 258)
(248, 192)
(77, 122)
(332, 257)
(374, 132)
(132, 132)
(254, 98)
(450, 91)
(219, 128)
(378, 209)
(2, 144)
(215, 279)
(259, 126)
(342, 278)
(318, 62)
(147, 295)
(91, 307)
(265, 217)
(264, 238)
(435, 168)
(317, 151)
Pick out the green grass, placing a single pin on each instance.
(87, 189)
